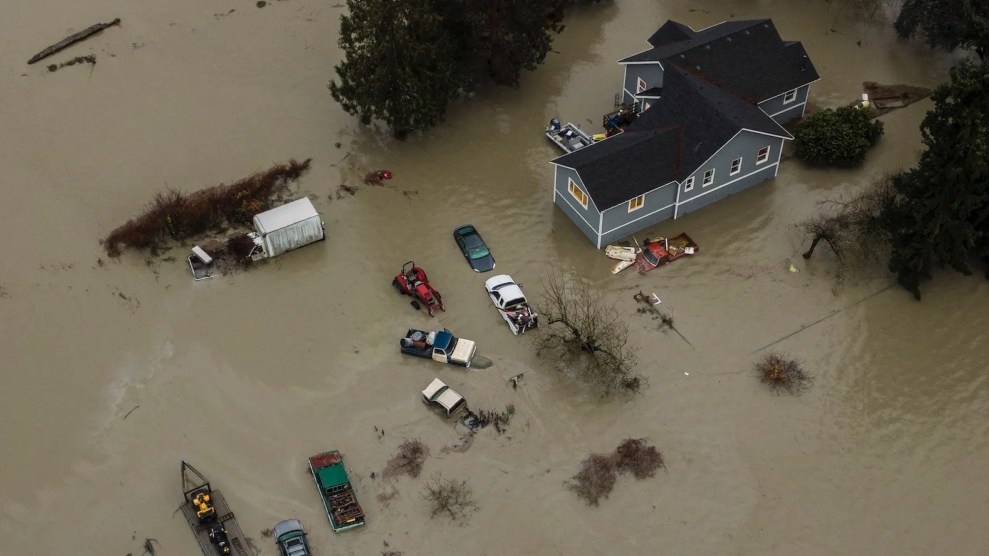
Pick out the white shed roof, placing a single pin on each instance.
(285, 215)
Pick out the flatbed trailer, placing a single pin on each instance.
(192, 482)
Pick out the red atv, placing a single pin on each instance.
(412, 282)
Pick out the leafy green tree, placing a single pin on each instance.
(941, 213)
(836, 137)
(399, 63)
(947, 24)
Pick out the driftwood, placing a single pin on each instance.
(72, 39)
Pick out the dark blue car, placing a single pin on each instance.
(474, 249)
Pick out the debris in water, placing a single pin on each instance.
(72, 39)
(375, 178)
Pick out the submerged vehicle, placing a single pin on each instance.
(290, 538)
(511, 303)
(440, 345)
(339, 500)
(209, 517)
(474, 249)
(663, 251)
(439, 394)
(413, 282)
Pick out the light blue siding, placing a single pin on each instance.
(783, 113)
(744, 145)
(651, 73)
(658, 205)
(587, 220)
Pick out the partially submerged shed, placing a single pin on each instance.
(288, 227)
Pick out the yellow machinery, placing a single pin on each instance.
(203, 503)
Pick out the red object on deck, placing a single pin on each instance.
(664, 251)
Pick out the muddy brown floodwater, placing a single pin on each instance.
(112, 373)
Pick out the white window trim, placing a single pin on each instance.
(789, 96)
(708, 180)
(640, 85)
(689, 184)
(641, 198)
(571, 185)
(759, 158)
(735, 169)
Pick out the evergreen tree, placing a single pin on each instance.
(941, 214)
(399, 63)
(503, 37)
(947, 24)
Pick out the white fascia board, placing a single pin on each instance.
(787, 110)
(637, 219)
(788, 90)
(701, 165)
(727, 183)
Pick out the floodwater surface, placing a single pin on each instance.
(115, 370)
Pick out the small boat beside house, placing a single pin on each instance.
(568, 137)
(663, 251)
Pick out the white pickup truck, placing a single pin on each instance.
(508, 298)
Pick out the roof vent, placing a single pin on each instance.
(747, 32)
(707, 47)
(698, 68)
(729, 39)
(682, 57)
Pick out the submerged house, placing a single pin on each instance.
(709, 106)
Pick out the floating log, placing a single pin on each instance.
(72, 39)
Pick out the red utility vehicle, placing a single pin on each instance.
(412, 281)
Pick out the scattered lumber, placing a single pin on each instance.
(72, 39)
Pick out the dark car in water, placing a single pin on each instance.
(291, 538)
(474, 249)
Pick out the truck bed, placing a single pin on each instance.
(237, 538)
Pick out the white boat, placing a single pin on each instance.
(620, 252)
(568, 136)
(621, 265)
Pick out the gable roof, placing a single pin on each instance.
(707, 114)
(747, 57)
(626, 165)
(693, 119)
(712, 81)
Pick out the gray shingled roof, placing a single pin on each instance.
(626, 165)
(671, 31)
(670, 140)
(746, 57)
(708, 115)
(712, 80)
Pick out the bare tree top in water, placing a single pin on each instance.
(586, 336)
(853, 228)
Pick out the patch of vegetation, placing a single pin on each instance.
(853, 227)
(454, 499)
(584, 334)
(836, 137)
(941, 214)
(946, 25)
(174, 215)
(782, 373)
(409, 460)
(599, 472)
(77, 60)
